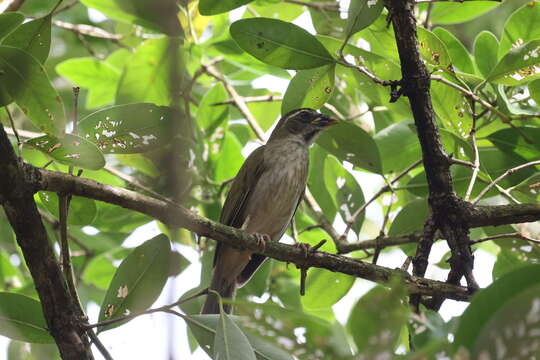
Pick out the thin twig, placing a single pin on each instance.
(88, 30)
(238, 101)
(502, 236)
(320, 6)
(65, 256)
(462, 162)
(476, 168)
(505, 174)
(352, 219)
(102, 349)
(366, 72)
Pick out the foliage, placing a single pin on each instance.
(156, 80)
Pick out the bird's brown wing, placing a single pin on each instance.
(234, 210)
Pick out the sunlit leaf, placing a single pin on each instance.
(534, 90)
(433, 49)
(24, 80)
(318, 281)
(147, 75)
(155, 15)
(100, 78)
(309, 89)
(454, 13)
(458, 53)
(280, 43)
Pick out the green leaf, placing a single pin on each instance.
(348, 194)
(70, 150)
(534, 90)
(433, 49)
(24, 79)
(513, 140)
(461, 58)
(99, 271)
(497, 313)
(82, 211)
(100, 78)
(455, 13)
(128, 129)
(410, 219)
(376, 320)
(519, 65)
(147, 75)
(21, 318)
(229, 160)
(138, 281)
(521, 27)
(362, 13)
(317, 184)
(452, 108)
(212, 7)
(398, 146)
(280, 43)
(155, 15)
(350, 143)
(486, 46)
(34, 37)
(210, 116)
(309, 89)
(204, 329)
(230, 343)
(9, 21)
(318, 282)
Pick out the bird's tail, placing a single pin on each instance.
(226, 289)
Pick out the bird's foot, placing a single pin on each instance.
(306, 248)
(261, 240)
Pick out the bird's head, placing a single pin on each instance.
(304, 124)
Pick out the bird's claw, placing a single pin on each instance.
(261, 240)
(306, 248)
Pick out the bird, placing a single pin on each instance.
(263, 199)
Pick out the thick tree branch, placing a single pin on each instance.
(63, 317)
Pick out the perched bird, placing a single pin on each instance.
(263, 198)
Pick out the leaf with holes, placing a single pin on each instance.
(21, 318)
(34, 37)
(280, 43)
(461, 58)
(521, 27)
(350, 143)
(24, 80)
(309, 89)
(518, 66)
(506, 313)
(230, 343)
(70, 150)
(433, 50)
(138, 281)
(128, 129)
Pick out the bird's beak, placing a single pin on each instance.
(324, 121)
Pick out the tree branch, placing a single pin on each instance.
(61, 312)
